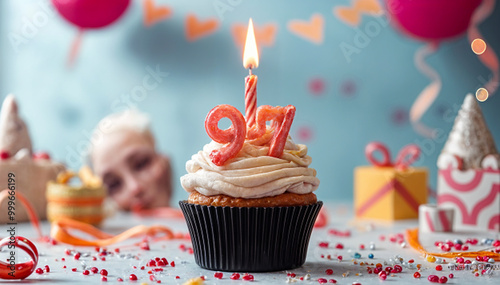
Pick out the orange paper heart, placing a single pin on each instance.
(312, 30)
(264, 35)
(352, 15)
(196, 29)
(153, 13)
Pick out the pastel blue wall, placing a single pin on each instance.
(365, 99)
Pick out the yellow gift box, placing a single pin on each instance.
(389, 191)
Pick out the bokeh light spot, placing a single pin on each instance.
(399, 116)
(482, 94)
(305, 134)
(317, 86)
(478, 46)
(348, 88)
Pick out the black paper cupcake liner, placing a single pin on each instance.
(250, 239)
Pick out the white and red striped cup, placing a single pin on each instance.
(432, 218)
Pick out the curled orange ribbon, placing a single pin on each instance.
(60, 232)
(406, 157)
(412, 240)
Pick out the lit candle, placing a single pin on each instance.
(250, 60)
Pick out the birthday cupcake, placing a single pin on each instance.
(251, 205)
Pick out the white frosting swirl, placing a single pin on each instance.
(252, 174)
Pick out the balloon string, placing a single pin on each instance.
(430, 92)
(75, 47)
(412, 240)
(35, 221)
(488, 58)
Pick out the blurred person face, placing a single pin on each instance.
(137, 177)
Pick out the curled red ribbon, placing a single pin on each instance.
(406, 156)
(15, 270)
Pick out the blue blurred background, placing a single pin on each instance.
(342, 104)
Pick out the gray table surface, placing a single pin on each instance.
(345, 272)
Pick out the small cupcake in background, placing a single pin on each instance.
(124, 156)
(78, 201)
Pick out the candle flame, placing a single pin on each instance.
(250, 53)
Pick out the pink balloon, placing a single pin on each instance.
(432, 20)
(91, 13)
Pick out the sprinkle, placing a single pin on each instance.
(86, 272)
(370, 255)
(416, 274)
(443, 279)
(332, 281)
(339, 246)
(235, 276)
(104, 279)
(339, 257)
(322, 280)
(451, 276)
(431, 258)
(218, 275)
(307, 277)
(357, 255)
(329, 272)
(433, 278)
(372, 246)
(323, 244)
(247, 277)
(439, 267)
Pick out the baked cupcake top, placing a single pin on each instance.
(252, 173)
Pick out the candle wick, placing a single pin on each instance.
(250, 70)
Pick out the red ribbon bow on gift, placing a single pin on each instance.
(406, 156)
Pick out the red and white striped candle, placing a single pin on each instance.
(250, 61)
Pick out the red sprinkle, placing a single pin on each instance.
(94, 270)
(4, 154)
(443, 279)
(465, 247)
(117, 250)
(86, 272)
(323, 244)
(433, 278)
(322, 280)
(451, 276)
(247, 277)
(329, 272)
(218, 275)
(77, 256)
(235, 276)
(332, 281)
(172, 264)
(439, 267)
(73, 269)
(104, 272)
(39, 270)
(132, 277)
(47, 268)
(104, 278)
(144, 246)
(339, 257)
(160, 263)
(119, 279)
(64, 266)
(94, 258)
(416, 274)
(339, 246)
(177, 277)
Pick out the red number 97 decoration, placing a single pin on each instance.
(234, 136)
